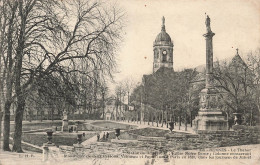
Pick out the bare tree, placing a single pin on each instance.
(129, 86)
(254, 65)
(53, 37)
(234, 80)
(8, 63)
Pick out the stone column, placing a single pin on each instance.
(65, 122)
(209, 59)
(209, 116)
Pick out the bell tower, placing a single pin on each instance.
(163, 50)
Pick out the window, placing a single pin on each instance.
(164, 58)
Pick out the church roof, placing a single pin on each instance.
(163, 37)
(229, 61)
(235, 59)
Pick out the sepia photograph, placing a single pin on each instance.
(130, 82)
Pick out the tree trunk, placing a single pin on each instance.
(157, 117)
(166, 117)
(116, 107)
(18, 125)
(103, 100)
(85, 113)
(48, 116)
(152, 118)
(228, 121)
(9, 80)
(185, 121)
(41, 115)
(251, 117)
(73, 114)
(190, 118)
(120, 110)
(37, 114)
(162, 119)
(52, 114)
(179, 122)
(30, 116)
(149, 116)
(1, 117)
(6, 132)
(140, 117)
(18, 89)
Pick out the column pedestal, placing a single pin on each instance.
(212, 120)
(65, 125)
(209, 116)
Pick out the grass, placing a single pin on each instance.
(112, 125)
(58, 139)
(150, 132)
(36, 126)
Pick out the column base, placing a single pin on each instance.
(210, 120)
(65, 125)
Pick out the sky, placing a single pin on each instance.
(236, 24)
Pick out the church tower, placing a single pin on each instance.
(163, 50)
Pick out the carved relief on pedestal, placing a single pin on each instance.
(207, 101)
(213, 102)
(203, 101)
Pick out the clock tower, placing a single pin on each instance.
(163, 50)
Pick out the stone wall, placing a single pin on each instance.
(240, 135)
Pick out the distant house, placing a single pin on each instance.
(114, 110)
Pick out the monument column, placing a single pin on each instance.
(209, 54)
(209, 116)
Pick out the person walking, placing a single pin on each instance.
(98, 137)
(104, 137)
(107, 135)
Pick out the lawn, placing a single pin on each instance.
(150, 132)
(112, 125)
(58, 139)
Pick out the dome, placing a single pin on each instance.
(163, 37)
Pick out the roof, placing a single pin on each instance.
(202, 68)
(163, 37)
(235, 59)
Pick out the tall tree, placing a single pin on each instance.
(9, 60)
(53, 37)
(234, 80)
(253, 62)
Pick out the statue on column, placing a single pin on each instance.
(207, 22)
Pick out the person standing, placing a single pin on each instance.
(107, 135)
(98, 137)
(104, 137)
